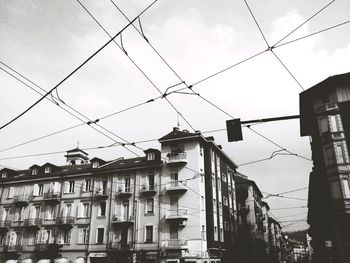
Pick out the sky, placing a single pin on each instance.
(46, 40)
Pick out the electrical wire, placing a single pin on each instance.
(76, 69)
(303, 23)
(138, 67)
(312, 34)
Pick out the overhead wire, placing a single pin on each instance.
(76, 69)
(135, 64)
(303, 23)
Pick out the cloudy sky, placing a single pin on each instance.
(46, 40)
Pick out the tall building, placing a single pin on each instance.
(325, 117)
(173, 205)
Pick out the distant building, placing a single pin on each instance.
(173, 205)
(325, 117)
(251, 230)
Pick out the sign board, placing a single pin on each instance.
(328, 243)
(98, 255)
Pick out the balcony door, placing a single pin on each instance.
(125, 211)
(174, 205)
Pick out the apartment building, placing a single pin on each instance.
(325, 118)
(252, 221)
(173, 205)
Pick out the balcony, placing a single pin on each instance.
(65, 222)
(176, 215)
(243, 210)
(123, 220)
(147, 190)
(175, 244)
(176, 158)
(101, 194)
(13, 248)
(52, 197)
(5, 225)
(120, 246)
(124, 192)
(33, 222)
(22, 200)
(176, 187)
(47, 248)
(327, 107)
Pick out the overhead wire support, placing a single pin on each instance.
(137, 66)
(303, 23)
(77, 68)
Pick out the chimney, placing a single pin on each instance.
(175, 128)
(219, 146)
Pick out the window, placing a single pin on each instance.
(216, 233)
(334, 122)
(4, 174)
(11, 192)
(174, 232)
(4, 214)
(69, 187)
(83, 210)
(19, 214)
(100, 235)
(102, 209)
(35, 171)
(149, 233)
(150, 206)
(227, 226)
(225, 201)
(64, 237)
(220, 208)
(83, 236)
(214, 203)
(339, 153)
(50, 212)
(224, 177)
(323, 124)
(151, 180)
(32, 237)
(95, 164)
(41, 189)
(346, 188)
(151, 156)
(87, 185)
(47, 169)
(221, 234)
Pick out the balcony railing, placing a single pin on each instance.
(177, 186)
(124, 192)
(175, 244)
(51, 196)
(101, 194)
(178, 214)
(327, 107)
(22, 200)
(46, 247)
(5, 223)
(147, 190)
(122, 220)
(13, 248)
(33, 222)
(176, 158)
(119, 245)
(65, 221)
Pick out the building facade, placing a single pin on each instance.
(325, 117)
(173, 205)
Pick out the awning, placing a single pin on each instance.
(61, 260)
(79, 260)
(27, 260)
(43, 261)
(11, 261)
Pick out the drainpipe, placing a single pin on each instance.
(159, 208)
(91, 206)
(134, 227)
(109, 212)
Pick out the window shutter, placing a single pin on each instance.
(44, 236)
(80, 235)
(57, 187)
(81, 211)
(60, 238)
(66, 187)
(11, 192)
(36, 190)
(13, 238)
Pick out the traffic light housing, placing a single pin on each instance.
(234, 130)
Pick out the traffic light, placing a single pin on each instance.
(234, 130)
